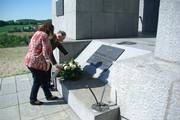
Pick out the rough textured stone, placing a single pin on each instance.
(147, 87)
(168, 43)
(143, 85)
(173, 107)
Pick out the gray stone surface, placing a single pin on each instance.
(74, 91)
(143, 87)
(85, 19)
(95, 45)
(57, 116)
(70, 6)
(28, 111)
(23, 96)
(172, 113)
(23, 85)
(74, 48)
(168, 43)
(8, 80)
(128, 26)
(105, 55)
(40, 118)
(71, 115)
(89, 5)
(16, 106)
(102, 25)
(0, 83)
(8, 100)
(140, 43)
(9, 88)
(52, 107)
(147, 87)
(10, 113)
(68, 21)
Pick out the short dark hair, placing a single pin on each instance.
(62, 33)
(47, 28)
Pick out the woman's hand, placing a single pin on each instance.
(58, 67)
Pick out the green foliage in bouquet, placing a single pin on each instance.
(71, 70)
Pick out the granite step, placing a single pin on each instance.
(78, 95)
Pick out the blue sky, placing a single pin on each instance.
(25, 9)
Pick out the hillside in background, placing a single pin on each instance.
(23, 22)
(18, 33)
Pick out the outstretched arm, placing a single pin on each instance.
(61, 48)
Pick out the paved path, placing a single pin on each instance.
(14, 102)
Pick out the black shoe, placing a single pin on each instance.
(37, 102)
(52, 98)
(52, 89)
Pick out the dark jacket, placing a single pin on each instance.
(58, 45)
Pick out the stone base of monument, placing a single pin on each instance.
(78, 95)
(147, 88)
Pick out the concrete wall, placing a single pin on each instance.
(98, 18)
(67, 22)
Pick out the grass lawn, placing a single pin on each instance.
(12, 61)
(11, 27)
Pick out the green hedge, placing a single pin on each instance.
(13, 40)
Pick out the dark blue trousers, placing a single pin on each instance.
(41, 78)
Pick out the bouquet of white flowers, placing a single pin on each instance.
(71, 70)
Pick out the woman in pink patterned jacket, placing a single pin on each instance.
(38, 62)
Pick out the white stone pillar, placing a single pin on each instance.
(168, 35)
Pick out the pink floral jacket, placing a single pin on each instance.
(39, 51)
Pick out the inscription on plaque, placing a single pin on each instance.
(60, 8)
(105, 55)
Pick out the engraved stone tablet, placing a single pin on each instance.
(105, 55)
(60, 8)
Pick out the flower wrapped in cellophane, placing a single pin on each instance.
(71, 70)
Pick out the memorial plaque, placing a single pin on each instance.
(105, 55)
(60, 8)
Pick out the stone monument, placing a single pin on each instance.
(86, 19)
(97, 59)
(168, 43)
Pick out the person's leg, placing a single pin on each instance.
(45, 84)
(49, 77)
(45, 87)
(36, 84)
